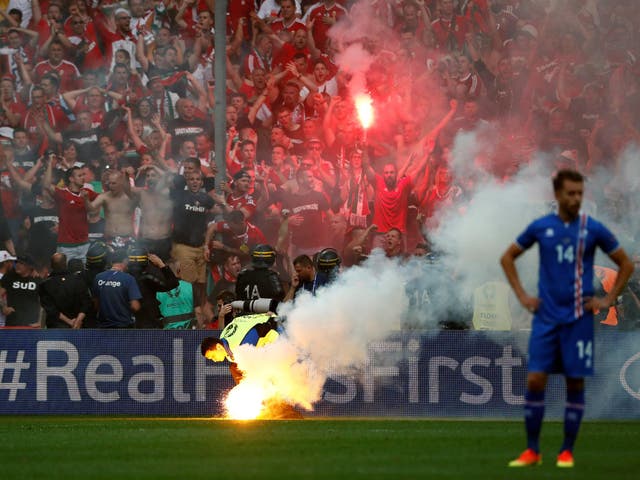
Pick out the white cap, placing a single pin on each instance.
(6, 256)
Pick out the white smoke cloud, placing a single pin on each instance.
(330, 331)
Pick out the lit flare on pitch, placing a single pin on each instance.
(245, 401)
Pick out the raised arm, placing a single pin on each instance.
(71, 96)
(141, 54)
(44, 126)
(135, 138)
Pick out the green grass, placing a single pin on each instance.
(122, 448)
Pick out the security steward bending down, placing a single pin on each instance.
(257, 329)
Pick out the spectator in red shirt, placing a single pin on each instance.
(449, 29)
(260, 56)
(240, 198)
(47, 24)
(12, 109)
(35, 115)
(287, 20)
(121, 38)
(73, 227)
(323, 15)
(66, 71)
(82, 35)
(237, 237)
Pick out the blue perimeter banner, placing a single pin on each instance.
(430, 373)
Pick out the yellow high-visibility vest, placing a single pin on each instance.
(237, 330)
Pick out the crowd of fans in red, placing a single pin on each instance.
(107, 120)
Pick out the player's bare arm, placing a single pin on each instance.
(625, 270)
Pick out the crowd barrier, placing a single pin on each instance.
(429, 373)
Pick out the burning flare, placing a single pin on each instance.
(245, 401)
(364, 106)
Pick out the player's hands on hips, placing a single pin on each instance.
(530, 303)
(595, 304)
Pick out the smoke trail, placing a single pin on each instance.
(330, 331)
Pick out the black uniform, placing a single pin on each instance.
(64, 292)
(152, 280)
(256, 282)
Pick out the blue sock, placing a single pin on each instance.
(533, 415)
(572, 417)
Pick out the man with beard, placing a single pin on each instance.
(391, 199)
(562, 332)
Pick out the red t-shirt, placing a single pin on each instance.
(450, 31)
(8, 196)
(72, 213)
(243, 242)
(67, 72)
(246, 201)
(278, 26)
(321, 29)
(390, 210)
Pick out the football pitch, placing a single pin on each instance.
(179, 448)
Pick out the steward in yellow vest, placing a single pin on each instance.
(256, 329)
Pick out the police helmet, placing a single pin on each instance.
(263, 256)
(137, 256)
(97, 254)
(328, 260)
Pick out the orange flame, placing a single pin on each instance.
(245, 401)
(364, 106)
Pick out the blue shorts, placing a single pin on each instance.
(566, 348)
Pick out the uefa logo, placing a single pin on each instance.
(630, 376)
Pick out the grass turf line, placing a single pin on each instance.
(142, 448)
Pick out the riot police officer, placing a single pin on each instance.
(152, 276)
(328, 264)
(259, 280)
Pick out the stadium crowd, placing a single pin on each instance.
(107, 128)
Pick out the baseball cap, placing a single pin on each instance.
(241, 174)
(6, 256)
(26, 259)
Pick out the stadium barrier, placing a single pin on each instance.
(430, 373)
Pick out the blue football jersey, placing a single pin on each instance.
(567, 251)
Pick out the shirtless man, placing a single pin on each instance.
(119, 204)
(157, 210)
